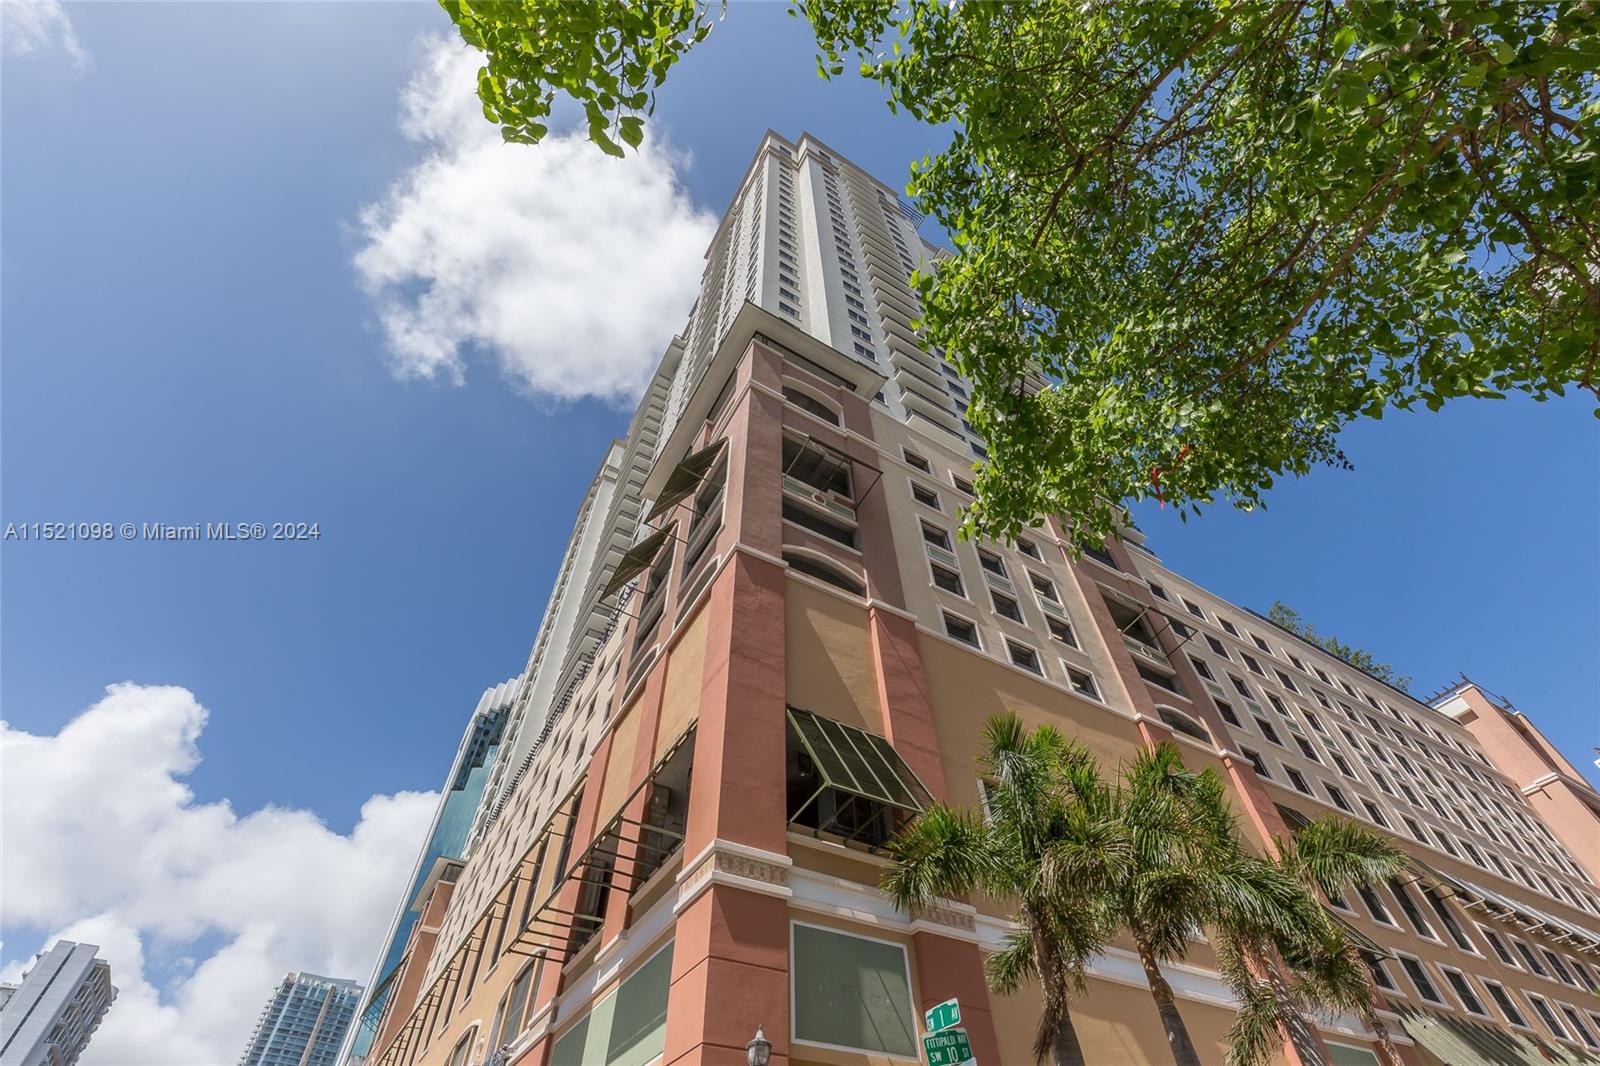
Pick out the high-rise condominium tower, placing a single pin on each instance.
(48, 1018)
(768, 648)
(304, 1022)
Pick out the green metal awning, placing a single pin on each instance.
(636, 560)
(685, 477)
(1462, 1042)
(858, 762)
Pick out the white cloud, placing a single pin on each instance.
(37, 26)
(105, 844)
(570, 268)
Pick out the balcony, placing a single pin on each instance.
(1149, 652)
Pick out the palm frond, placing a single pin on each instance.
(1013, 965)
(1336, 855)
(942, 852)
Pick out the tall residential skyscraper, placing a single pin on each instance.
(303, 1023)
(774, 649)
(48, 1018)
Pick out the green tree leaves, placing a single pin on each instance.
(608, 55)
(1287, 617)
(1196, 239)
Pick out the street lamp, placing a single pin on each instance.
(759, 1050)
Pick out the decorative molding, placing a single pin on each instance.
(946, 918)
(725, 862)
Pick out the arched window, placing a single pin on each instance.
(811, 404)
(461, 1054)
(1179, 722)
(835, 576)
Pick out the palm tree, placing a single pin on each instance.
(1323, 969)
(1047, 842)
(1189, 871)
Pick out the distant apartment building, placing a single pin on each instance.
(768, 647)
(460, 799)
(48, 1018)
(304, 1022)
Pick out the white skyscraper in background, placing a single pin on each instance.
(47, 1020)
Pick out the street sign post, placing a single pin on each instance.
(948, 1047)
(942, 1015)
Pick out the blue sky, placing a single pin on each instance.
(186, 338)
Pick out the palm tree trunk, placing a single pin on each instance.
(1065, 1049)
(1057, 1033)
(1183, 1052)
(1391, 1055)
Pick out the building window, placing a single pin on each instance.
(1160, 678)
(1005, 606)
(1298, 780)
(1028, 548)
(1556, 964)
(1193, 608)
(1337, 795)
(917, 461)
(806, 518)
(1419, 979)
(926, 497)
(1159, 592)
(1498, 946)
(810, 404)
(1380, 976)
(851, 992)
(1528, 957)
(1226, 710)
(1575, 1023)
(1202, 669)
(626, 1027)
(1374, 902)
(707, 517)
(805, 564)
(514, 1008)
(962, 484)
(1453, 927)
(947, 579)
(1083, 683)
(1182, 723)
(961, 629)
(1463, 990)
(1307, 749)
(1044, 587)
(991, 562)
(1268, 732)
(462, 1052)
(1414, 914)
(1254, 667)
(1025, 657)
(1374, 813)
(1258, 762)
(936, 536)
(1541, 1007)
(1508, 1007)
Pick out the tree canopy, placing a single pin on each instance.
(1283, 615)
(1194, 239)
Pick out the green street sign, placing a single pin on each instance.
(942, 1015)
(949, 1047)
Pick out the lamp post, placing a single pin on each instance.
(759, 1050)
